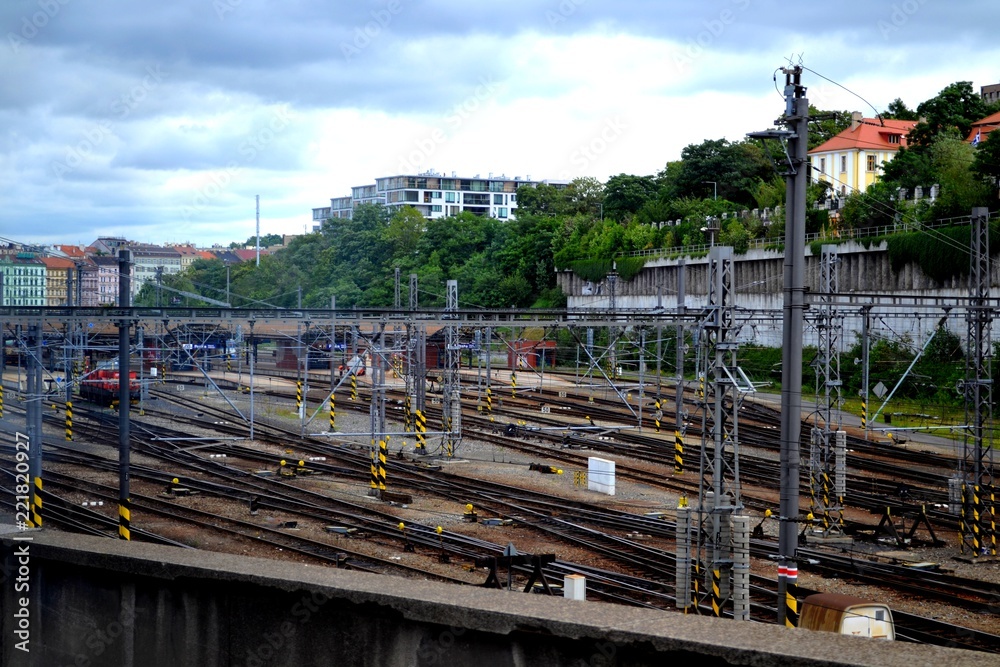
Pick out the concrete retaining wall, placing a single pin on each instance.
(758, 277)
(98, 601)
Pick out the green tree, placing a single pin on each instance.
(829, 125)
(986, 164)
(897, 110)
(625, 194)
(584, 195)
(266, 241)
(540, 199)
(956, 107)
(719, 169)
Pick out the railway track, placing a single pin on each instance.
(594, 528)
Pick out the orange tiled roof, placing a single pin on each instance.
(72, 250)
(869, 135)
(984, 127)
(57, 263)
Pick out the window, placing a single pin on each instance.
(436, 208)
(436, 194)
(502, 212)
(893, 138)
(843, 163)
(476, 199)
(822, 165)
(451, 197)
(498, 199)
(871, 163)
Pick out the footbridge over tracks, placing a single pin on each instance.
(86, 600)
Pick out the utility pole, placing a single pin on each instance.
(258, 229)
(124, 398)
(796, 142)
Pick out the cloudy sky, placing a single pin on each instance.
(161, 121)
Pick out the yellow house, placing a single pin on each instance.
(852, 160)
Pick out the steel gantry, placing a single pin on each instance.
(977, 523)
(828, 444)
(719, 502)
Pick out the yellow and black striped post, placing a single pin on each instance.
(678, 453)
(696, 587)
(1, 399)
(374, 479)
(36, 504)
(69, 420)
(864, 414)
(298, 394)
(354, 387)
(791, 601)
(977, 513)
(421, 431)
(229, 364)
(333, 411)
(513, 384)
(826, 501)
(383, 454)
(716, 591)
(489, 401)
(124, 520)
(991, 508)
(407, 414)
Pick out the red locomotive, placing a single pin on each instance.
(101, 387)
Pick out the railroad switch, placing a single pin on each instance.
(544, 469)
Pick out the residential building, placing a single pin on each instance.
(57, 275)
(852, 160)
(433, 195)
(990, 93)
(108, 245)
(89, 284)
(23, 280)
(981, 128)
(150, 260)
(188, 255)
(73, 252)
(105, 281)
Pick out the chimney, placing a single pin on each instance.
(856, 119)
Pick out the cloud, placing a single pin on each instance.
(165, 120)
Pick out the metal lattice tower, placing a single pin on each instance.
(451, 404)
(827, 457)
(719, 494)
(976, 524)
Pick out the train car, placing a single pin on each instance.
(847, 615)
(101, 387)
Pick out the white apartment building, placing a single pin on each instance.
(433, 195)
